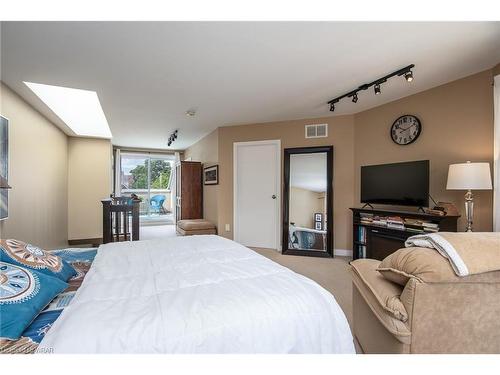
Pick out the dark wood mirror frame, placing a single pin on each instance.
(329, 201)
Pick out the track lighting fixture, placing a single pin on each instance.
(406, 72)
(409, 76)
(172, 137)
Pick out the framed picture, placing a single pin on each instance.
(211, 175)
(4, 166)
(317, 225)
(318, 217)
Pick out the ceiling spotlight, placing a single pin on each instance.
(409, 76)
(332, 107)
(355, 97)
(376, 88)
(190, 113)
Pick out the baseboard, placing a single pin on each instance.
(342, 252)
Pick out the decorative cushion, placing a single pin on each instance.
(423, 264)
(32, 257)
(195, 224)
(23, 295)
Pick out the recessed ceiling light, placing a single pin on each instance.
(190, 113)
(79, 109)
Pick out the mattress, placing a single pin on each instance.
(197, 294)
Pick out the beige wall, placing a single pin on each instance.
(89, 181)
(38, 174)
(303, 205)
(457, 125)
(457, 121)
(291, 134)
(207, 151)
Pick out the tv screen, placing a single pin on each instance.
(402, 184)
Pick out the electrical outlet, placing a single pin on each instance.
(228, 228)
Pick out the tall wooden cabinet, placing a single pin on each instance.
(189, 193)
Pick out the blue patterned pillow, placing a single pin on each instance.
(23, 295)
(32, 257)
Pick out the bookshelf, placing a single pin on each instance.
(378, 233)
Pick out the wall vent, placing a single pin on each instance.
(317, 131)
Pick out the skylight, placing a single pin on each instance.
(79, 109)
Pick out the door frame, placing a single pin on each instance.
(236, 145)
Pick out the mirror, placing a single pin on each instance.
(308, 201)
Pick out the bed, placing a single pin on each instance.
(197, 294)
(306, 238)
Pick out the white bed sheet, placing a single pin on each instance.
(197, 294)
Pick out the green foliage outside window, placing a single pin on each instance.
(160, 175)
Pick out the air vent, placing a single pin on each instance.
(317, 131)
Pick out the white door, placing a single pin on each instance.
(257, 193)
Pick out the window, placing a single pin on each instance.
(149, 177)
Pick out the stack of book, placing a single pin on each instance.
(430, 227)
(366, 218)
(362, 234)
(381, 221)
(395, 222)
(414, 225)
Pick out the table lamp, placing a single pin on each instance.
(469, 176)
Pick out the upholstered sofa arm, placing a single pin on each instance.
(456, 317)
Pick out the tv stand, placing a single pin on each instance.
(377, 241)
(367, 205)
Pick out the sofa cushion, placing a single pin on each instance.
(387, 294)
(426, 265)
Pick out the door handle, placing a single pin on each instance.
(273, 196)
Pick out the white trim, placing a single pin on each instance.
(496, 155)
(275, 142)
(342, 252)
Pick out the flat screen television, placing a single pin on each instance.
(400, 184)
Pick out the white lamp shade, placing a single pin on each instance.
(469, 176)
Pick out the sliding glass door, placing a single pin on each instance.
(149, 177)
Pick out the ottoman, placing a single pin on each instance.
(195, 226)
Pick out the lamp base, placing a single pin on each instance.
(469, 210)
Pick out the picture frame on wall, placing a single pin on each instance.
(318, 217)
(317, 225)
(211, 175)
(4, 166)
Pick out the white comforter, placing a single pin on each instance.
(198, 294)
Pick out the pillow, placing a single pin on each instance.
(23, 295)
(423, 264)
(32, 257)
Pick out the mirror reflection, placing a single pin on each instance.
(307, 203)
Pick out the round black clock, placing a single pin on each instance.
(406, 129)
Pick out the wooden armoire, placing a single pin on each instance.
(189, 190)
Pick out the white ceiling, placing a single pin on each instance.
(308, 171)
(148, 74)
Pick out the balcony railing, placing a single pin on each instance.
(148, 209)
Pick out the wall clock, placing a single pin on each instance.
(406, 129)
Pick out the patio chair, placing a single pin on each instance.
(156, 203)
